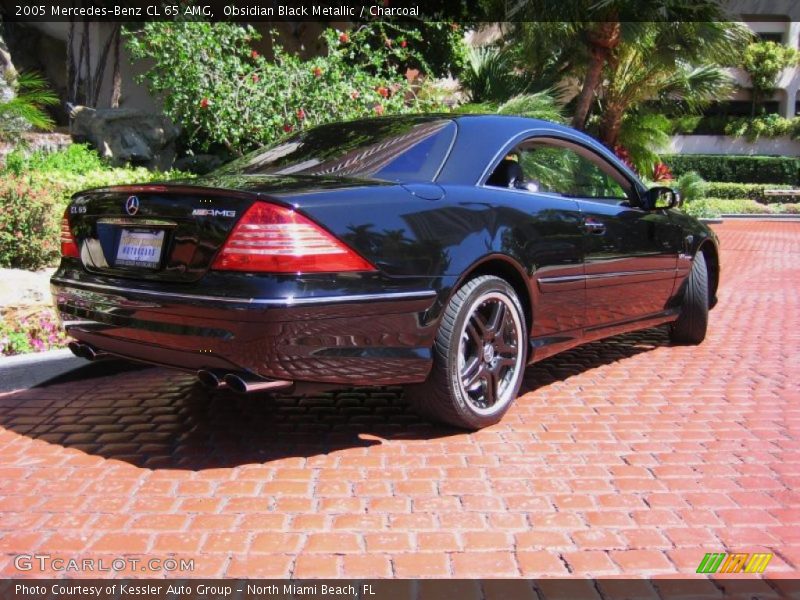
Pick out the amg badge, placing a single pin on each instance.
(213, 212)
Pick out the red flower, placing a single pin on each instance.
(301, 114)
(254, 54)
(355, 94)
(317, 72)
(204, 103)
(403, 43)
(661, 172)
(344, 38)
(378, 108)
(255, 78)
(382, 91)
(287, 128)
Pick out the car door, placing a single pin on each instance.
(629, 254)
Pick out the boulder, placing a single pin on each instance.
(126, 136)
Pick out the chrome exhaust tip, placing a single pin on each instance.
(210, 379)
(93, 354)
(76, 349)
(245, 384)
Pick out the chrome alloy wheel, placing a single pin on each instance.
(490, 353)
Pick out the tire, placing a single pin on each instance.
(478, 364)
(692, 323)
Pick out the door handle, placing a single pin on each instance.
(594, 226)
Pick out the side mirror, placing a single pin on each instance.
(661, 197)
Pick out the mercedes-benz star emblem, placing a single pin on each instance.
(132, 205)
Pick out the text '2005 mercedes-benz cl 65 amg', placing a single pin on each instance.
(440, 252)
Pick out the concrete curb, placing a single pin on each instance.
(28, 370)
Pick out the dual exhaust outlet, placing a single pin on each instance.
(242, 383)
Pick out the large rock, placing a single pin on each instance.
(126, 136)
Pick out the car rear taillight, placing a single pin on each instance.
(274, 239)
(68, 246)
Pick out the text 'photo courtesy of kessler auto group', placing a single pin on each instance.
(377, 299)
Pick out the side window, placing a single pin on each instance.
(557, 167)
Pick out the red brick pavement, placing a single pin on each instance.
(626, 457)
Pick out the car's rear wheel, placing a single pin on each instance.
(691, 325)
(479, 356)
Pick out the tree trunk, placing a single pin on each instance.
(601, 38)
(610, 125)
(116, 80)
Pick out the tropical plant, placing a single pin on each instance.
(541, 105)
(690, 186)
(604, 27)
(25, 108)
(643, 135)
(489, 75)
(668, 66)
(764, 62)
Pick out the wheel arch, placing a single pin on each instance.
(510, 271)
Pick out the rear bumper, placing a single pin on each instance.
(378, 338)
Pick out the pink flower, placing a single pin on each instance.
(403, 43)
(204, 103)
(301, 114)
(254, 54)
(317, 72)
(255, 77)
(355, 94)
(378, 108)
(344, 38)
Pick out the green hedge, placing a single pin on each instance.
(751, 191)
(714, 207)
(737, 168)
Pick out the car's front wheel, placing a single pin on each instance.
(692, 323)
(479, 356)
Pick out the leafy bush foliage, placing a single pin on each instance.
(691, 186)
(765, 125)
(751, 191)
(30, 331)
(737, 168)
(714, 207)
(764, 61)
(35, 189)
(222, 91)
(29, 223)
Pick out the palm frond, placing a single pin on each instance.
(541, 105)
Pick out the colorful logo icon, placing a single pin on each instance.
(722, 562)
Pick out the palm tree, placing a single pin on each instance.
(25, 108)
(674, 65)
(604, 26)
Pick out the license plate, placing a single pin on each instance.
(140, 248)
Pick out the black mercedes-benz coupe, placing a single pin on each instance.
(441, 252)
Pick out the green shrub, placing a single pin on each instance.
(29, 223)
(770, 126)
(737, 168)
(223, 92)
(35, 189)
(714, 207)
(752, 191)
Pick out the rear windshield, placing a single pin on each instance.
(398, 149)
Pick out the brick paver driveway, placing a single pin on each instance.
(623, 457)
